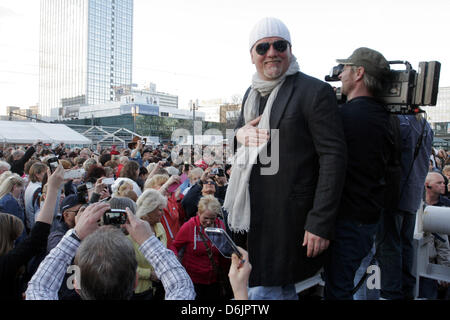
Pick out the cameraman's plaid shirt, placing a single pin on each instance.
(46, 282)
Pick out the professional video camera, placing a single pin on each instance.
(405, 90)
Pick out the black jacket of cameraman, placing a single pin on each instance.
(372, 143)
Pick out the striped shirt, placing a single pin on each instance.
(45, 283)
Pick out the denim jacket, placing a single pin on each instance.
(412, 189)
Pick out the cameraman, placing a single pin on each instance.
(366, 123)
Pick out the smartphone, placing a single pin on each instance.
(108, 180)
(74, 174)
(53, 164)
(222, 241)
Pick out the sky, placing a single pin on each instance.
(198, 49)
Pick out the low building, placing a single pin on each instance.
(229, 114)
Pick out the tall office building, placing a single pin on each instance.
(85, 52)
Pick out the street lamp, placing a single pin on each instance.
(135, 111)
(194, 106)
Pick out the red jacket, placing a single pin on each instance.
(119, 168)
(195, 257)
(173, 218)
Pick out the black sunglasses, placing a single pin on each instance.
(279, 45)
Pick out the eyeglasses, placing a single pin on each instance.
(279, 45)
(210, 182)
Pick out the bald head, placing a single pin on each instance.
(433, 177)
(435, 184)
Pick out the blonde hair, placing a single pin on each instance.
(9, 183)
(123, 188)
(4, 176)
(151, 166)
(129, 194)
(209, 203)
(195, 172)
(156, 180)
(11, 228)
(446, 169)
(149, 201)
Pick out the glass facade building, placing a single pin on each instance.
(85, 52)
(148, 125)
(441, 112)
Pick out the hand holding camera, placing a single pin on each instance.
(115, 217)
(138, 229)
(88, 220)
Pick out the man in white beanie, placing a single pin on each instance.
(283, 210)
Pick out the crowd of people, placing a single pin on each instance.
(39, 208)
(312, 186)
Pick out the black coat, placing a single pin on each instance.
(304, 194)
(11, 262)
(17, 166)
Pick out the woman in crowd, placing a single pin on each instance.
(149, 208)
(95, 172)
(36, 175)
(14, 256)
(193, 177)
(4, 176)
(130, 173)
(204, 187)
(174, 215)
(11, 190)
(202, 261)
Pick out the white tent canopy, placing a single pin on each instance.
(21, 132)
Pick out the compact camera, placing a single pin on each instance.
(82, 192)
(115, 217)
(218, 172)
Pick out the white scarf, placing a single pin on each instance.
(237, 199)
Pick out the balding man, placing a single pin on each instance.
(435, 189)
(439, 248)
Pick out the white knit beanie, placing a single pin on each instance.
(269, 27)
